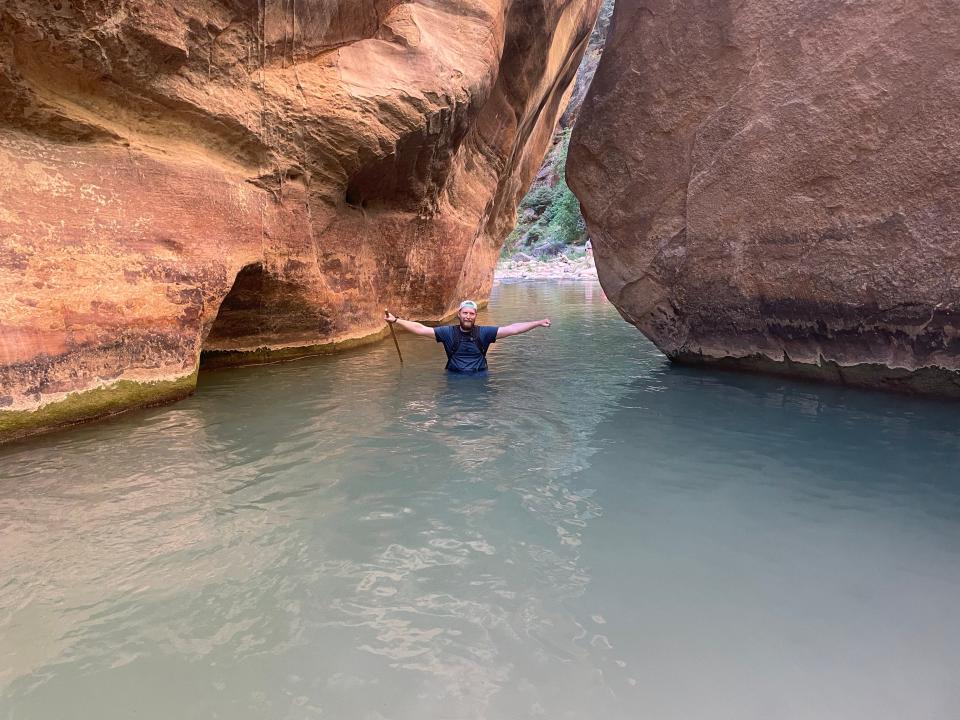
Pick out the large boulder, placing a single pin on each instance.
(776, 186)
(251, 178)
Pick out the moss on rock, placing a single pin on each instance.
(78, 407)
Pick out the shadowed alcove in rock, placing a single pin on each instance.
(261, 312)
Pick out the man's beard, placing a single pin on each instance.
(466, 325)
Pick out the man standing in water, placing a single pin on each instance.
(466, 343)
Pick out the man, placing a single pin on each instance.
(466, 343)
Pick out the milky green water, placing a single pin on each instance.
(587, 533)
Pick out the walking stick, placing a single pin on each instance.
(394, 335)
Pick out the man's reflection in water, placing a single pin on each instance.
(466, 406)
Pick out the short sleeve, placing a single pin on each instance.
(488, 334)
(441, 334)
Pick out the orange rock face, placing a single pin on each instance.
(234, 176)
(774, 186)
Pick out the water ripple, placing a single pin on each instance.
(587, 532)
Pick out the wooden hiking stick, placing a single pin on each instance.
(394, 335)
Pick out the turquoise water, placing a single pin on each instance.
(587, 533)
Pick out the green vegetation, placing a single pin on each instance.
(89, 404)
(548, 219)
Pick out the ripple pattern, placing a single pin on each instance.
(585, 533)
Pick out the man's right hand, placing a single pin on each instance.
(389, 317)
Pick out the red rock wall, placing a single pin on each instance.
(775, 186)
(332, 158)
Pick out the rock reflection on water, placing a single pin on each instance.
(586, 532)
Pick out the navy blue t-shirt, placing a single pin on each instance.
(469, 358)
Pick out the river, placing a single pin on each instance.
(586, 533)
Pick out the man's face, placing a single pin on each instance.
(467, 318)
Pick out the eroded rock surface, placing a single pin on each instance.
(247, 176)
(775, 186)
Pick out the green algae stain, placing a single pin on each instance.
(92, 404)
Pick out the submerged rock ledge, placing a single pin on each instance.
(774, 187)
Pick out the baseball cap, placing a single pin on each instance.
(468, 304)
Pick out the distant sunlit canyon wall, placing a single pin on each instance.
(244, 177)
(775, 186)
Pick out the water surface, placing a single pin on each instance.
(586, 533)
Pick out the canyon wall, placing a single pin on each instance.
(252, 179)
(776, 186)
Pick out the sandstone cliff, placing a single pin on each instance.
(242, 177)
(775, 186)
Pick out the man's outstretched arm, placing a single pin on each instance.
(521, 327)
(414, 327)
